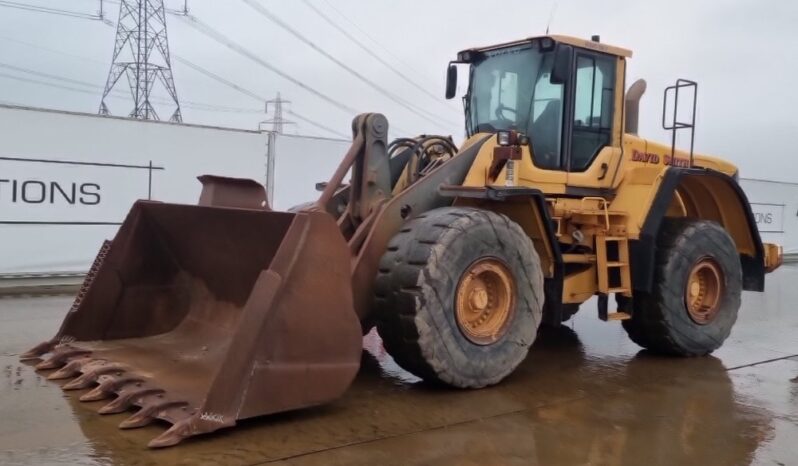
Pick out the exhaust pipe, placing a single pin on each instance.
(633, 95)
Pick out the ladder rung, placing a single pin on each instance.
(618, 290)
(578, 258)
(620, 315)
(617, 264)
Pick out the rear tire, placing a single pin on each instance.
(459, 296)
(696, 293)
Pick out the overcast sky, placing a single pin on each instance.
(743, 53)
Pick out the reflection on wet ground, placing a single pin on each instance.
(585, 395)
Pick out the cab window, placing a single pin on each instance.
(511, 89)
(546, 120)
(593, 108)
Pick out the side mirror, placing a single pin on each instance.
(451, 81)
(563, 61)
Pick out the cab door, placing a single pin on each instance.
(544, 162)
(593, 125)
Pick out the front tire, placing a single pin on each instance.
(696, 295)
(459, 296)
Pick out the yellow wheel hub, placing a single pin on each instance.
(704, 290)
(485, 301)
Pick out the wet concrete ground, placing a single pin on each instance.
(585, 395)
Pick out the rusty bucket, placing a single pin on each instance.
(203, 315)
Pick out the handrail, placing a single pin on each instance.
(604, 203)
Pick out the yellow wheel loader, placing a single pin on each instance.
(203, 315)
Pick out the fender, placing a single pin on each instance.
(710, 195)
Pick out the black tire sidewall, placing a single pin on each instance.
(461, 249)
(442, 247)
(688, 242)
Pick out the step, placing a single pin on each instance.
(619, 290)
(620, 315)
(578, 258)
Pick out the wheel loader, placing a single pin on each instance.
(202, 315)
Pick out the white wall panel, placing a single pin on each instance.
(301, 163)
(182, 152)
(68, 179)
(775, 207)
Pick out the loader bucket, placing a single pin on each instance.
(203, 315)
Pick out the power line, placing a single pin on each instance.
(317, 124)
(376, 56)
(59, 78)
(220, 38)
(96, 90)
(46, 75)
(216, 36)
(119, 94)
(219, 79)
(61, 52)
(374, 41)
(435, 119)
(47, 10)
(212, 33)
(253, 95)
(43, 83)
(65, 79)
(249, 93)
(177, 58)
(88, 84)
(183, 11)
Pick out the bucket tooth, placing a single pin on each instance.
(107, 386)
(125, 400)
(37, 351)
(84, 381)
(119, 405)
(173, 436)
(96, 394)
(47, 364)
(147, 414)
(59, 358)
(142, 418)
(71, 369)
(89, 377)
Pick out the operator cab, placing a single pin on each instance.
(559, 91)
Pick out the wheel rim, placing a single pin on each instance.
(485, 301)
(704, 289)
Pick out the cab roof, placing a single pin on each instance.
(575, 41)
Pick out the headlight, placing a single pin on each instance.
(503, 138)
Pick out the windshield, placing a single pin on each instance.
(511, 89)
